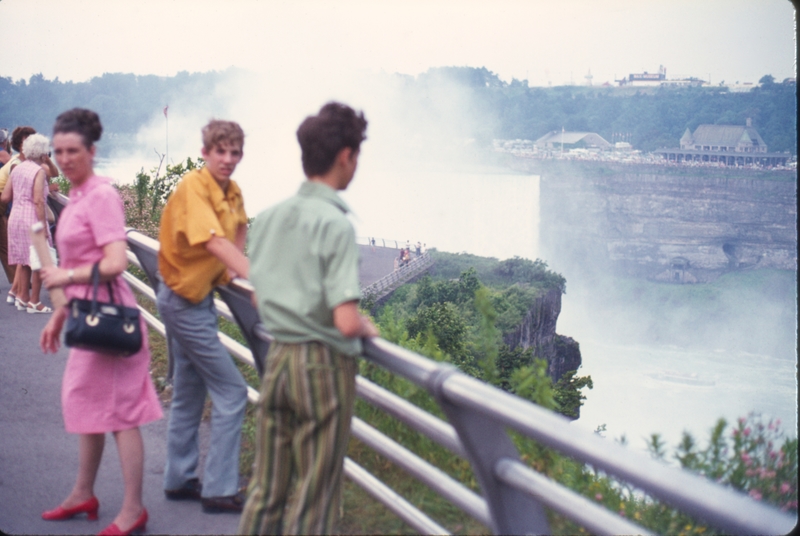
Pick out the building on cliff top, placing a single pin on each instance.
(716, 143)
(571, 140)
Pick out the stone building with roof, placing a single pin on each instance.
(571, 140)
(732, 145)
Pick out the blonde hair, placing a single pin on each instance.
(217, 132)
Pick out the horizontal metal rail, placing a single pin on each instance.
(432, 476)
(392, 500)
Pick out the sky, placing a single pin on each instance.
(544, 42)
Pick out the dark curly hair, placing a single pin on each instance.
(19, 135)
(322, 136)
(81, 121)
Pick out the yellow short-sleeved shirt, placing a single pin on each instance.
(197, 210)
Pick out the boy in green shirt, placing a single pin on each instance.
(304, 268)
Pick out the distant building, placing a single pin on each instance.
(658, 79)
(732, 145)
(571, 140)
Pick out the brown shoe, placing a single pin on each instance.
(190, 491)
(217, 505)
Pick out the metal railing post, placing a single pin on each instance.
(486, 442)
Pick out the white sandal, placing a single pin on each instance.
(34, 308)
(20, 305)
(11, 298)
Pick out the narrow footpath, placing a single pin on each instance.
(39, 460)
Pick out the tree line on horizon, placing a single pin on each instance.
(487, 108)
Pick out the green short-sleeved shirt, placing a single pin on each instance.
(303, 263)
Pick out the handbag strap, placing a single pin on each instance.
(95, 287)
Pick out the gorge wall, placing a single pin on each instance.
(538, 331)
(669, 223)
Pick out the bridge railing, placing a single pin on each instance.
(400, 276)
(513, 496)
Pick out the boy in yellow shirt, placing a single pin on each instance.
(202, 235)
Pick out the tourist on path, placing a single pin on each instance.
(202, 236)
(27, 186)
(18, 137)
(101, 393)
(305, 274)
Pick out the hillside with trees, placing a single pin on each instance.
(468, 103)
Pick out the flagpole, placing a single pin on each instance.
(166, 157)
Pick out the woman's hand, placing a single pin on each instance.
(50, 340)
(53, 276)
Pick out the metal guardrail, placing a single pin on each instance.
(402, 275)
(384, 242)
(513, 495)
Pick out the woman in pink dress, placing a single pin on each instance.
(100, 393)
(27, 186)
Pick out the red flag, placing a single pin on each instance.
(165, 110)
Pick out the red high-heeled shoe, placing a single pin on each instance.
(59, 514)
(114, 530)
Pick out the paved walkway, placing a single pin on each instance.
(39, 460)
(375, 263)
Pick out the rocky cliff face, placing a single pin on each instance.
(679, 224)
(538, 331)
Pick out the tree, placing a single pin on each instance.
(766, 80)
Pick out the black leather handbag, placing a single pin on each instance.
(109, 328)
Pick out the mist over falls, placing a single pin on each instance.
(425, 175)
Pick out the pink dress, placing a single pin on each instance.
(23, 212)
(101, 393)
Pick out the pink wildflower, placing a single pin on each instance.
(754, 493)
(598, 497)
(746, 431)
(735, 433)
(777, 422)
(741, 420)
(746, 459)
(785, 487)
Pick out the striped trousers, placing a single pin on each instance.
(304, 413)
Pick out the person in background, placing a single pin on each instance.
(202, 235)
(305, 275)
(5, 156)
(29, 181)
(17, 138)
(5, 148)
(100, 393)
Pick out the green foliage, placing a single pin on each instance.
(64, 186)
(460, 320)
(755, 459)
(145, 199)
(519, 270)
(568, 395)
